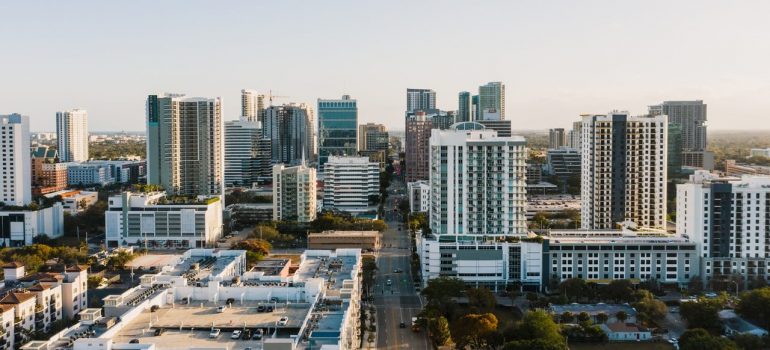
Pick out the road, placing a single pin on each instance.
(398, 302)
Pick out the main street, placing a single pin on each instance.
(396, 302)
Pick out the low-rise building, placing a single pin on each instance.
(419, 196)
(154, 219)
(563, 162)
(732, 168)
(621, 331)
(87, 174)
(75, 201)
(733, 324)
(601, 256)
(593, 310)
(20, 225)
(365, 240)
(317, 306)
(244, 214)
(48, 175)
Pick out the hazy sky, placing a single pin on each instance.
(558, 59)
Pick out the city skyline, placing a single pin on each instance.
(549, 83)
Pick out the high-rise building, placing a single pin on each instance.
(727, 218)
(294, 193)
(691, 116)
(185, 151)
(372, 137)
(491, 104)
(443, 120)
(556, 138)
(351, 184)
(475, 113)
(477, 183)
(563, 162)
(290, 129)
(14, 151)
(420, 100)
(464, 106)
(72, 135)
(575, 135)
(252, 105)
(623, 177)
(337, 128)
(247, 154)
(416, 147)
(503, 127)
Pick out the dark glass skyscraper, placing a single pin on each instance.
(337, 128)
(464, 106)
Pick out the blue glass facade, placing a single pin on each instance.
(337, 128)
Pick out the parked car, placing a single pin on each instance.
(258, 334)
(246, 334)
(159, 332)
(134, 341)
(269, 308)
(283, 321)
(402, 325)
(236, 334)
(221, 309)
(261, 308)
(389, 282)
(214, 333)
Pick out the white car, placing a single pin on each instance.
(214, 333)
(388, 282)
(283, 321)
(236, 334)
(221, 309)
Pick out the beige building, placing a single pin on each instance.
(294, 193)
(366, 240)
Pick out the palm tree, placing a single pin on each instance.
(622, 316)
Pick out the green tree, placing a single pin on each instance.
(566, 317)
(695, 286)
(622, 316)
(602, 317)
(749, 342)
(536, 329)
(254, 245)
(619, 290)
(119, 260)
(702, 314)
(573, 288)
(701, 339)
(439, 332)
(583, 317)
(755, 306)
(473, 329)
(481, 298)
(648, 308)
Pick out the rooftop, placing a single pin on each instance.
(594, 309)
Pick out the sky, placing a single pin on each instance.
(558, 59)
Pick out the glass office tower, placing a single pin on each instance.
(337, 128)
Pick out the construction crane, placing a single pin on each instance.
(270, 97)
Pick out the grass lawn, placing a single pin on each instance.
(622, 346)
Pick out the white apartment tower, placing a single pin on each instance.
(252, 105)
(729, 220)
(72, 134)
(351, 184)
(477, 182)
(247, 153)
(491, 101)
(185, 147)
(14, 151)
(294, 193)
(623, 170)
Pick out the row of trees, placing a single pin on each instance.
(340, 221)
(617, 291)
(34, 256)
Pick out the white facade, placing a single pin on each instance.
(247, 155)
(72, 135)
(728, 218)
(349, 182)
(491, 264)
(477, 182)
(294, 193)
(16, 182)
(252, 105)
(155, 220)
(24, 225)
(760, 152)
(623, 174)
(492, 101)
(419, 196)
(87, 174)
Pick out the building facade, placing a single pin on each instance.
(337, 128)
(72, 135)
(16, 181)
(252, 106)
(557, 138)
(729, 219)
(491, 104)
(294, 193)
(154, 219)
(47, 174)
(419, 196)
(248, 155)
(351, 184)
(420, 100)
(416, 154)
(19, 227)
(623, 175)
(185, 149)
(372, 137)
(88, 174)
(563, 162)
(477, 182)
(690, 117)
(290, 129)
(464, 107)
(575, 136)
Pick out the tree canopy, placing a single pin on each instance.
(755, 306)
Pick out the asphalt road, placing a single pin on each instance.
(397, 302)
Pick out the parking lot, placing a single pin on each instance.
(175, 339)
